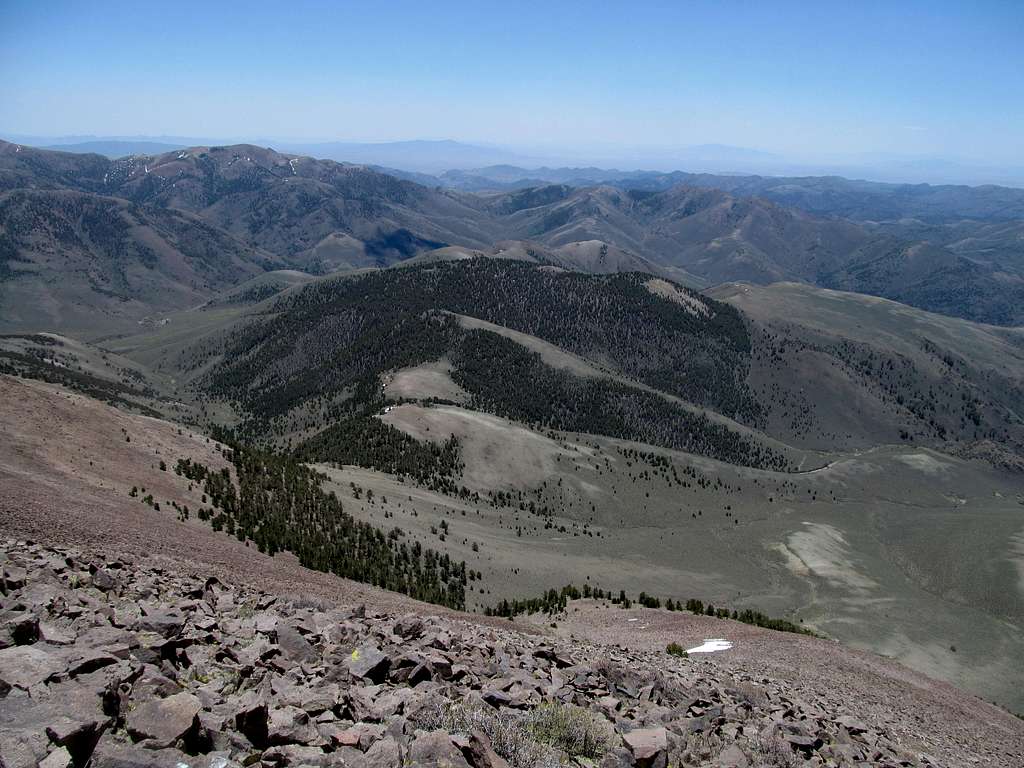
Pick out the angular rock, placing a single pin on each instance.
(409, 627)
(23, 666)
(54, 635)
(649, 747)
(76, 732)
(22, 747)
(435, 749)
(59, 758)
(103, 580)
(163, 721)
(294, 645)
(369, 663)
(113, 753)
(12, 577)
(733, 757)
(297, 754)
(802, 743)
(477, 750)
(163, 623)
(496, 698)
(251, 716)
(291, 725)
(18, 628)
(384, 754)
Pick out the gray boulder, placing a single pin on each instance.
(163, 722)
(369, 663)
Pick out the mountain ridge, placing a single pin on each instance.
(320, 216)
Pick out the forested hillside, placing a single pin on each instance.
(315, 358)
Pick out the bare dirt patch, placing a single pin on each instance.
(425, 381)
(666, 290)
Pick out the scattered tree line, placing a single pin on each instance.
(33, 364)
(554, 601)
(369, 442)
(277, 503)
(507, 379)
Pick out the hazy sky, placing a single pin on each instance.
(800, 78)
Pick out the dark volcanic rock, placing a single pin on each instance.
(649, 747)
(369, 663)
(164, 721)
(149, 668)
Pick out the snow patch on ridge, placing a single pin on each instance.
(711, 645)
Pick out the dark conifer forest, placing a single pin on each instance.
(313, 363)
(277, 503)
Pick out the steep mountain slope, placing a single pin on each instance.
(592, 257)
(94, 245)
(718, 238)
(498, 409)
(950, 249)
(314, 214)
(822, 195)
(27, 167)
(707, 232)
(71, 260)
(781, 379)
(875, 201)
(314, 356)
(845, 370)
(423, 690)
(937, 280)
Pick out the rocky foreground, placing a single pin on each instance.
(109, 663)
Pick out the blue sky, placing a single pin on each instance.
(807, 78)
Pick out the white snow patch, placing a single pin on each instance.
(710, 646)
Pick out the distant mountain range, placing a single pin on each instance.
(115, 149)
(413, 156)
(207, 217)
(435, 157)
(826, 195)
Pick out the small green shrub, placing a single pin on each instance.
(576, 731)
(675, 649)
(505, 730)
(541, 738)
